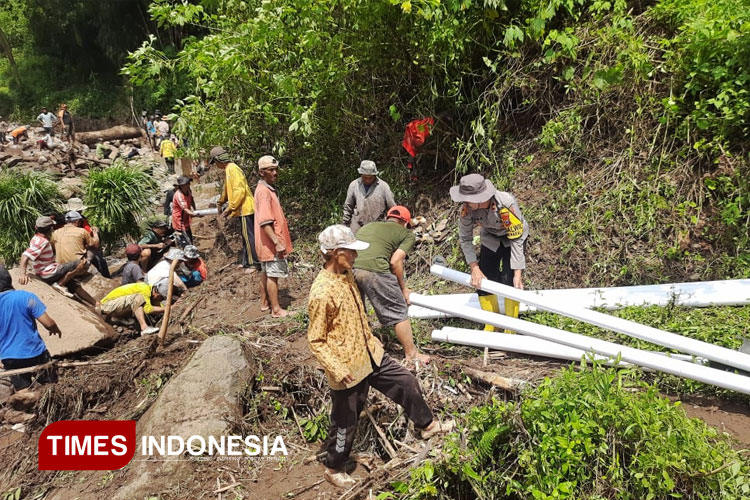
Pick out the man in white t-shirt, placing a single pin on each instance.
(48, 121)
(161, 270)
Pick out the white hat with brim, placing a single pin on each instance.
(75, 205)
(340, 236)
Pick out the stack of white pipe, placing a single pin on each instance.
(697, 294)
(646, 359)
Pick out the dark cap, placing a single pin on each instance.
(158, 223)
(218, 154)
(6, 282)
(183, 181)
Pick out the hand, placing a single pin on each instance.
(160, 246)
(24, 279)
(348, 379)
(55, 330)
(476, 277)
(280, 250)
(225, 213)
(518, 280)
(406, 293)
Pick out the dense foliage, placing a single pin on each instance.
(23, 198)
(629, 120)
(594, 434)
(119, 198)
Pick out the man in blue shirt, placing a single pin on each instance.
(21, 346)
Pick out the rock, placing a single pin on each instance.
(195, 402)
(17, 417)
(71, 186)
(24, 400)
(81, 327)
(13, 161)
(99, 286)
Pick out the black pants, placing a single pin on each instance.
(248, 257)
(96, 257)
(490, 264)
(184, 238)
(170, 164)
(25, 379)
(390, 378)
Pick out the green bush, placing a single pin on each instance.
(592, 434)
(23, 198)
(118, 198)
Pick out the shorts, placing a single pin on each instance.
(60, 273)
(385, 295)
(123, 306)
(275, 268)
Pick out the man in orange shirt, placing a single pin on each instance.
(272, 240)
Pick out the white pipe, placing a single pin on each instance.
(529, 345)
(701, 373)
(631, 328)
(693, 294)
(207, 211)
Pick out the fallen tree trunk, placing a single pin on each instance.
(119, 132)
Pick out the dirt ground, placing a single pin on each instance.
(289, 388)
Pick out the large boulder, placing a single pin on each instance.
(71, 187)
(82, 328)
(196, 402)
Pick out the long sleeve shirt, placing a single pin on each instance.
(493, 233)
(236, 192)
(365, 204)
(339, 333)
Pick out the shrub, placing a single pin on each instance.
(23, 198)
(118, 198)
(593, 434)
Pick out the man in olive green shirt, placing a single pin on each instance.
(379, 272)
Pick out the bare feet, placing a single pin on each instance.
(437, 427)
(281, 313)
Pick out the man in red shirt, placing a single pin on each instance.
(183, 206)
(272, 239)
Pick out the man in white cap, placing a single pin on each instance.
(368, 198)
(353, 358)
(272, 239)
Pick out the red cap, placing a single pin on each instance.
(133, 249)
(399, 212)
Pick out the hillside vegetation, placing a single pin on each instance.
(621, 126)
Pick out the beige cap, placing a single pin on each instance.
(267, 161)
(339, 236)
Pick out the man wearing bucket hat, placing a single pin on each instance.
(273, 241)
(352, 357)
(379, 272)
(367, 199)
(195, 266)
(503, 237)
(240, 203)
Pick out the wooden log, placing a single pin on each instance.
(509, 384)
(119, 132)
(168, 310)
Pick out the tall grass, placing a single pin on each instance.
(23, 197)
(118, 198)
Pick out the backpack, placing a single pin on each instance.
(168, 201)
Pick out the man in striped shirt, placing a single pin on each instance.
(61, 276)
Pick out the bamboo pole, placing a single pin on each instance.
(168, 310)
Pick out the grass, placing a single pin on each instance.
(23, 197)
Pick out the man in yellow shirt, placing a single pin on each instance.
(167, 150)
(240, 203)
(136, 299)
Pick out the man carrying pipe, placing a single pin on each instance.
(503, 238)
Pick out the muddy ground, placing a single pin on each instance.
(287, 390)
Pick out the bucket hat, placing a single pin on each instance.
(368, 167)
(473, 188)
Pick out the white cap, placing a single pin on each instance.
(340, 236)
